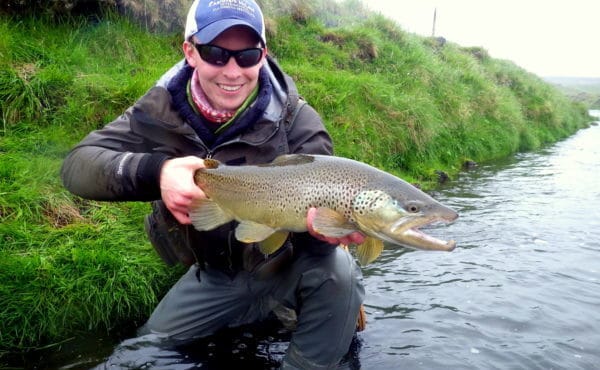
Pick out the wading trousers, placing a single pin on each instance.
(325, 292)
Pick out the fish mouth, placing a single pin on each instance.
(407, 234)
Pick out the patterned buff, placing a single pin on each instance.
(210, 113)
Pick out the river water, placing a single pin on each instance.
(521, 291)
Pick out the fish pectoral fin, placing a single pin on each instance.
(332, 224)
(369, 250)
(252, 232)
(273, 243)
(208, 215)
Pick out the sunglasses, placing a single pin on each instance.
(219, 56)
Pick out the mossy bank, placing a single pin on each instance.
(410, 105)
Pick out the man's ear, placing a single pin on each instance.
(189, 50)
(264, 59)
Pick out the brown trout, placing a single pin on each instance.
(271, 200)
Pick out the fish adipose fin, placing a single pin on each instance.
(368, 251)
(332, 224)
(207, 215)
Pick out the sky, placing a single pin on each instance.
(546, 37)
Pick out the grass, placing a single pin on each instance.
(397, 101)
(68, 264)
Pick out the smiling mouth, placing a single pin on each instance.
(230, 88)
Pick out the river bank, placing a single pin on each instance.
(413, 108)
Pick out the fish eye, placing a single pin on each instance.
(413, 208)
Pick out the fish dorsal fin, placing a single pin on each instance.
(291, 160)
(369, 250)
(207, 215)
(330, 223)
(211, 163)
(252, 232)
(273, 243)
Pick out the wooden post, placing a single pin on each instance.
(434, 19)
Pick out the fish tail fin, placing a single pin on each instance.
(211, 163)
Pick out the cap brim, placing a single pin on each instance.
(210, 32)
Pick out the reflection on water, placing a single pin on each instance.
(521, 291)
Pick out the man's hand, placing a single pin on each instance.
(177, 187)
(353, 238)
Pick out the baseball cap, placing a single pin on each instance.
(207, 19)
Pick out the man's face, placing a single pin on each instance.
(227, 86)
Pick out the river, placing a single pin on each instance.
(521, 291)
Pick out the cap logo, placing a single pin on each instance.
(236, 5)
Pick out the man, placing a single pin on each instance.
(227, 100)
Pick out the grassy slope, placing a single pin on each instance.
(397, 101)
(67, 264)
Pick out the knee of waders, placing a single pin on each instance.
(335, 277)
(345, 272)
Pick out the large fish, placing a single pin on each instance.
(271, 200)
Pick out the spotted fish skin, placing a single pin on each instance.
(349, 196)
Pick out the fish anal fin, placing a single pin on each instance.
(252, 232)
(331, 223)
(208, 215)
(273, 242)
(369, 250)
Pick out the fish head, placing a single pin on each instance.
(397, 220)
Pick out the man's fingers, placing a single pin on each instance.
(357, 237)
(310, 216)
(182, 217)
(177, 186)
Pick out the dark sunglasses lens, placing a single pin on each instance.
(213, 55)
(248, 58)
(219, 57)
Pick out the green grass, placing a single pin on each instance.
(389, 98)
(67, 264)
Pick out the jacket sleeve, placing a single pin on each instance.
(113, 163)
(308, 134)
